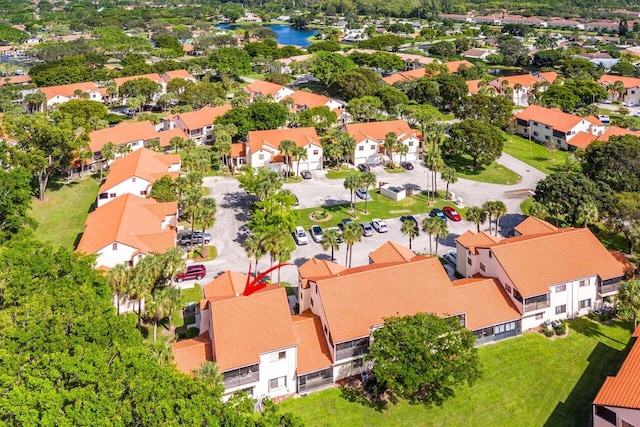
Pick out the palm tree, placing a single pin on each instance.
(123, 149)
(390, 145)
(433, 161)
(499, 210)
(450, 176)
(275, 240)
(441, 231)
(223, 147)
(402, 151)
(431, 226)
(190, 206)
(366, 180)
(160, 304)
(176, 143)
(206, 215)
(84, 155)
(351, 183)
(254, 247)
(282, 254)
(410, 229)
(488, 208)
(538, 210)
(477, 215)
(517, 88)
(352, 233)
(347, 145)
(173, 261)
(118, 279)
(209, 374)
(161, 353)
(618, 87)
(108, 153)
(629, 298)
(287, 149)
(140, 287)
(588, 213)
(301, 154)
(331, 239)
(154, 145)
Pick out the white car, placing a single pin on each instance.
(379, 225)
(362, 193)
(300, 236)
(451, 257)
(316, 233)
(604, 119)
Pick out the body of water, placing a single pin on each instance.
(286, 34)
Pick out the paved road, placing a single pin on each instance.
(230, 230)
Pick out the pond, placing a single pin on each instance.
(286, 34)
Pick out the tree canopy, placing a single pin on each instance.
(477, 139)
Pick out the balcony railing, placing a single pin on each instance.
(314, 381)
(536, 303)
(351, 352)
(240, 377)
(605, 289)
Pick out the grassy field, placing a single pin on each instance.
(188, 295)
(528, 381)
(493, 174)
(378, 207)
(338, 174)
(538, 156)
(62, 215)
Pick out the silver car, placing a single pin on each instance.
(379, 225)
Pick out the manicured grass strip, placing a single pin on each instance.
(378, 207)
(527, 381)
(492, 174)
(534, 154)
(62, 215)
(188, 295)
(338, 174)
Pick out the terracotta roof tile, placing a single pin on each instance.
(629, 82)
(15, 80)
(228, 285)
(582, 140)
(470, 240)
(177, 74)
(166, 135)
(553, 117)
(623, 390)
(273, 138)
(628, 267)
(496, 306)
(549, 76)
(203, 117)
(617, 131)
(68, 90)
(319, 268)
(308, 99)
(554, 256)
(533, 225)
(245, 327)
(132, 221)
(238, 150)
(263, 88)
(454, 66)
(313, 351)
(391, 252)
(526, 80)
(143, 163)
(122, 133)
(405, 75)
(378, 130)
(192, 353)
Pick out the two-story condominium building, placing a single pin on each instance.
(631, 85)
(64, 93)
(521, 86)
(261, 89)
(370, 141)
(618, 401)
(549, 273)
(128, 228)
(197, 125)
(550, 125)
(263, 148)
(136, 172)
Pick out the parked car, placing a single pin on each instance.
(407, 165)
(362, 193)
(186, 239)
(451, 257)
(316, 233)
(367, 229)
(404, 218)
(451, 213)
(300, 236)
(604, 119)
(196, 271)
(379, 225)
(437, 213)
(197, 235)
(363, 167)
(306, 174)
(297, 203)
(337, 229)
(344, 222)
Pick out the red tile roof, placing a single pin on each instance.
(582, 140)
(68, 90)
(553, 117)
(205, 116)
(378, 130)
(405, 75)
(123, 133)
(144, 164)
(308, 99)
(154, 77)
(470, 240)
(192, 353)
(273, 138)
(496, 308)
(629, 82)
(623, 390)
(177, 74)
(318, 268)
(15, 80)
(246, 327)
(391, 252)
(313, 351)
(263, 88)
(533, 225)
(229, 284)
(454, 66)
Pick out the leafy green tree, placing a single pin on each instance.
(328, 66)
(495, 110)
(411, 230)
(444, 49)
(229, 61)
(424, 358)
(321, 118)
(624, 217)
(481, 141)
(80, 112)
(231, 11)
(201, 94)
(477, 215)
(513, 51)
(261, 184)
(355, 83)
(142, 87)
(628, 299)
(579, 68)
(390, 97)
(615, 163)
(15, 202)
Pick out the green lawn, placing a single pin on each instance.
(493, 174)
(338, 174)
(378, 207)
(62, 215)
(188, 295)
(534, 154)
(528, 381)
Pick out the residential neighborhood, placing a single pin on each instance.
(319, 214)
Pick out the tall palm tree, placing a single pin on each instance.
(206, 215)
(223, 147)
(191, 200)
(588, 213)
(301, 154)
(176, 143)
(139, 288)
(351, 183)
(160, 303)
(287, 149)
(351, 234)
(275, 239)
(282, 254)
(450, 176)
(441, 231)
(517, 88)
(538, 210)
(411, 230)
(173, 261)
(390, 146)
(402, 151)
(347, 144)
(123, 149)
(499, 210)
(118, 279)
(433, 161)
(477, 215)
(331, 239)
(431, 226)
(108, 153)
(629, 298)
(366, 180)
(254, 247)
(161, 352)
(84, 155)
(488, 208)
(209, 374)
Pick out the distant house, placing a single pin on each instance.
(198, 125)
(477, 53)
(414, 74)
(178, 74)
(454, 66)
(370, 141)
(21, 79)
(288, 65)
(631, 87)
(261, 89)
(64, 93)
(552, 125)
(303, 100)
(136, 172)
(154, 77)
(522, 85)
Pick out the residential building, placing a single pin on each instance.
(414, 74)
(198, 125)
(154, 77)
(370, 141)
(64, 93)
(618, 401)
(521, 86)
(583, 139)
(136, 172)
(454, 66)
(477, 53)
(527, 266)
(178, 74)
(550, 125)
(128, 228)
(263, 148)
(21, 79)
(261, 89)
(289, 65)
(631, 87)
(135, 134)
(411, 61)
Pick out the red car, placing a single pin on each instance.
(196, 271)
(451, 213)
